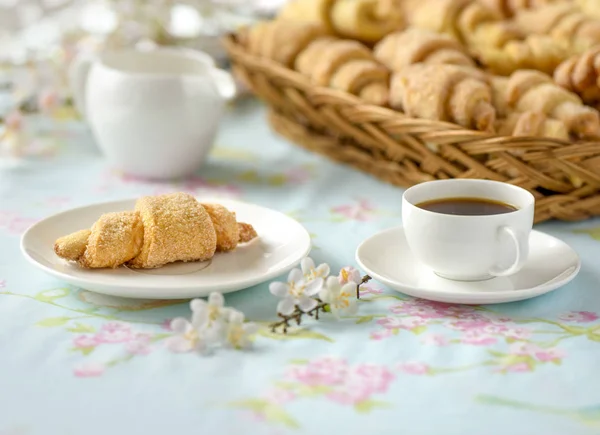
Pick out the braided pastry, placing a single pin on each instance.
(363, 20)
(529, 90)
(563, 21)
(581, 74)
(444, 92)
(414, 45)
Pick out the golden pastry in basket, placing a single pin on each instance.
(509, 8)
(345, 65)
(446, 93)
(362, 20)
(581, 74)
(563, 21)
(400, 49)
(590, 7)
(309, 11)
(280, 40)
(539, 52)
(532, 124)
(162, 229)
(530, 90)
(367, 20)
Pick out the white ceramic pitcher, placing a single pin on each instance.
(154, 113)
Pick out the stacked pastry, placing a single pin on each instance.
(342, 64)
(508, 67)
(161, 230)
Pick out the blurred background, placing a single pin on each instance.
(40, 38)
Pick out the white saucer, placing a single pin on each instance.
(281, 245)
(387, 258)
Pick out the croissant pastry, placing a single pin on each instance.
(161, 230)
(581, 74)
(400, 49)
(509, 8)
(590, 7)
(563, 21)
(444, 92)
(367, 20)
(362, 20)
(532, 124)
(529, 90)
(265, 39)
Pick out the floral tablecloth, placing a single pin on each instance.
(74, 362)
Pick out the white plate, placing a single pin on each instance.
(387, 258)
(281, 245)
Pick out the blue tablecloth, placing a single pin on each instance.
(75, 362)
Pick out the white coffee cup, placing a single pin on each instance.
(469, 248)
(154, 113)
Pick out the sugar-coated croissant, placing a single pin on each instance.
(563, 21)
(444, 92)
(362, 20)
(529, 90)
(400, 49)
(162, 229)
(581, 74)
(532, 124)
(280, 40)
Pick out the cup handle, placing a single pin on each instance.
(225, 83)
(521, 246)
(78, 74)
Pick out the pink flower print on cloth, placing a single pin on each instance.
(361, 211)
(324, 371)
(280, 396)
(414, 368)
(478, 338)
(579, 316)
(139, 344)
(114, 332)
(2, 283)
(408, 323)
(85, 341)
(435, 340)
(89, 370)
(435, 310)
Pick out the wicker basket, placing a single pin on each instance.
(564, 177)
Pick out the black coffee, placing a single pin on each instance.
(467, 206)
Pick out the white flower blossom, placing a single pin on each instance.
(341, 298)
(296, 292)
(349, 274)
(238, 332)
(311, 272)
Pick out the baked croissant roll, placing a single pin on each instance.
(529, 90)
(581, 74)
(162, 229)
(309, 11)
(509, 8)
(590, 7)
(280, 40)
(367, 20)
(532, 124)
(400, 49)
(444, 92)
(563, 21)
(338, 63)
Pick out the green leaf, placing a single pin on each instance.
(368, 405)
(419, 329)
(594, 233)
(364, 319)
(496, 354)
(276, 414)
(294, 334)
(53, 321)
(51, 295)
(84, 350)
(257, 405)
(286, 385)
(556, 361)
(395, 331)
(161, 336)
(510, 340)
(593, 337)
(313, 390)
(299, 361)
(81, 327)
